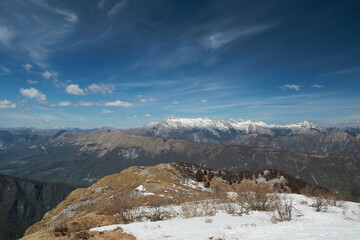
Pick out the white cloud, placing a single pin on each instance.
(144, 100)
(101, 88)
(203, 100)
(6, 35)
(6, 104)
(176, 102)
(69, 16)
(74, 89)
(104, 111)
(65, 104)
(118, 103)
(85, 104)
(147, 115)
(216, 40)
(32, 82)
(317, 86)
(33, 93)
(117, 7)
(27, 67)
(48, 75)
(291, 87)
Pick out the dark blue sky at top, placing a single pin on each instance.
(126, 63)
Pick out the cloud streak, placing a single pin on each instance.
(291, 87)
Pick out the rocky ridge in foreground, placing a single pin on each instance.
(87, 208)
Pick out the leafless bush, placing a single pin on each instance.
(283, 209)
(233, 206)
(258, 198)
(157, 210)
(208, 220)
(197, 209)
(123, 205)
(321, 203)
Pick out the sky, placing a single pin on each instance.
(126, 63)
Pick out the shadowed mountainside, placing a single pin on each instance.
(24, 202)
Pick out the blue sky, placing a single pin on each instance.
(126, 63)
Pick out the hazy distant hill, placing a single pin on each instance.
(81, 159)
(24, 202)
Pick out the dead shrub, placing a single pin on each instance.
(158, 210)
(124, 206)
(197, 209)
(283, 209)
(257, 197)
(233, 206)
(320, 203)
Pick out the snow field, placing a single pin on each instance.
(338, 223)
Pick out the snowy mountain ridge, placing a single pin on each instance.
(240, 126)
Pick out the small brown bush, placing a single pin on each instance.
(283, 209)
(197, 209)
(158, 210)
(124, 206)
(321, 203)
(257, 197)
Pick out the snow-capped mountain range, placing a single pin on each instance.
(219, 131)
(303, 137)
(240, 126)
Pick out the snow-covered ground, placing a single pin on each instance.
(338, 223)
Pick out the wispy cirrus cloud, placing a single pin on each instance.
(65, 104)
(38, 31)
(32, 81)
(291, 87)
(4, 70)
(219, 39)
(351, 70)
(117, 7)
(6, 35)
(317, 86)
(105, 111)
